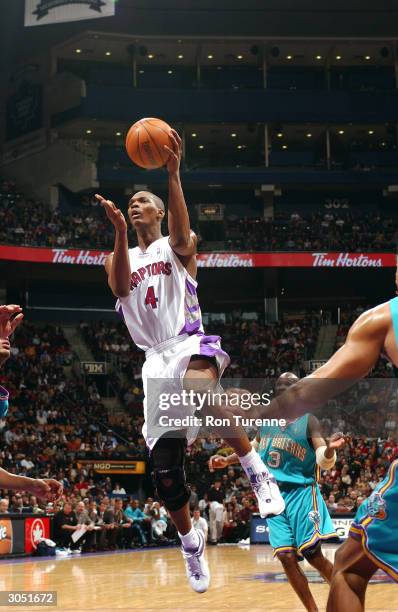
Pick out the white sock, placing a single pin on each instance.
(253, 464)
(190, 541)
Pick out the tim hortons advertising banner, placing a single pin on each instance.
(43, 12)
(84, 257)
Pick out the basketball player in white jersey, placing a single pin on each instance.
(156, 287)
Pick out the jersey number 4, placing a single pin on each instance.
(150, 298)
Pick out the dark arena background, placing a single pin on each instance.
(288, 114)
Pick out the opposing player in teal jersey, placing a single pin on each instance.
(294, 454)
(373, 541)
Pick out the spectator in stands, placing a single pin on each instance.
(4, 505)
(17, 505)
(122, 525)
(159, 522)
(109, 528)
(140, 522)
(118, 490)
(215, 496)
(65, 523)
(199, 522)
(88, 540)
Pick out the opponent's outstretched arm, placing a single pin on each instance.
(182, 239)
(117, 264)
(350, 363)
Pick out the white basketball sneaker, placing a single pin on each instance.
(196, 566)
(270, 500)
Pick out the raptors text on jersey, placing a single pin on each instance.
(163, 301)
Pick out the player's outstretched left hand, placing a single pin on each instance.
(337, 440)
(173, 163)
(114, 214)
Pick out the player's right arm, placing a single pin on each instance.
(353, 361)
(117, 264)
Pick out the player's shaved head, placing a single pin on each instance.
(156, 200)
(285, 380)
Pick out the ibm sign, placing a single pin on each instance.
(93, 367)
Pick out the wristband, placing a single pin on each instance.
(324, 462)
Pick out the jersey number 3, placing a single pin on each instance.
(150, 298)
(274, 459)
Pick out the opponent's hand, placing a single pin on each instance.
(46, 489)
(114, 214)
(217, 462)
(337, 440)
(10, 317)
(173, 163)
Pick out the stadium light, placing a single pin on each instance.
(108, 53)
(341, 131)
(150, 56)
(284, 146)
(338, 57)
(233, 135)
(194, 134)
(370, 132)
(367, 57)
(319, 57)
(78, 50)
(180, 56)
(280, 135)
(88, 132)
(289, 57)
(201, 147)
(118, 134)
(210, 56)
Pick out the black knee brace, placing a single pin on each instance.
(168, 474)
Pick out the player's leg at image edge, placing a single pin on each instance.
(168, 474)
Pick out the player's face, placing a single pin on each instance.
(284, 383)
(142, 210)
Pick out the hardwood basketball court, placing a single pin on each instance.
(243, 578)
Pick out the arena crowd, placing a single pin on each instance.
(56, 419)
(26, 222)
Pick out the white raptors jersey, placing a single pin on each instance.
(162, 302)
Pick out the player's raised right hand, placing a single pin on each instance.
(217, 462)
(114, 214)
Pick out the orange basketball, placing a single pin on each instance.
(145, 142)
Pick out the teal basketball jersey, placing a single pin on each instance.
(288, 453)
(394, 317)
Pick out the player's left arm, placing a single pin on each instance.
(182, 239)
(217, 462)
(325, 451)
